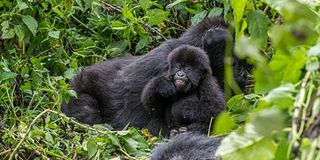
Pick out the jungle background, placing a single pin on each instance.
(44, 43)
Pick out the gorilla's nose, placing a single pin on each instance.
(181, 74)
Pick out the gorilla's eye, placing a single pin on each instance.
(187, 68)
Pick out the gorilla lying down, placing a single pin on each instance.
(187, 146)
(110, 92)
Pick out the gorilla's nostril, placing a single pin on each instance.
(181, 74)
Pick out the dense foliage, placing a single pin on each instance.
(44, 43)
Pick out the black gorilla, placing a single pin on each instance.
(187, 146)
(109, 92)
(187, 95)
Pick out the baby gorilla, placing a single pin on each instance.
(187, 146)
(187, 95)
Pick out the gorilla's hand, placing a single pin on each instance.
(165, 87)
(156, 90)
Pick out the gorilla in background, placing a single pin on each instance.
(109, 92)
(187, 95)
(187, 146)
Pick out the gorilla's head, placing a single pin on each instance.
(187, 66)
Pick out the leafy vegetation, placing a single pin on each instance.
(45, 43)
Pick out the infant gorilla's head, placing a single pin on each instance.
(187, 66)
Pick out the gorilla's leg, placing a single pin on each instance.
(84, 108)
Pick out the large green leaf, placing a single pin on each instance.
(127, 13)
(54, 34)
(215, 12)
(288, 68)
(22, 5)
(281, 96)
(223, 124)
(176, 3)
(156, 16)
(238, 9)
(20, 32)
(258, 27)
(31, 23)
(7, 75)
(198, 17)
(92, 147)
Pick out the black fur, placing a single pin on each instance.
(187, 146)
(192, 107)
(109, 92)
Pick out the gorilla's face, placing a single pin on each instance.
(187, 66)
(181, 77)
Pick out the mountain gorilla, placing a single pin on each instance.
(187, 95)
(187, 146)
(110, 92)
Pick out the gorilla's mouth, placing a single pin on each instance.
(180, 82)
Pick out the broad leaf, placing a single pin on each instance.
(31, 23)
(54, 34)
(215, 12)
(156, 16)
(92, 147)
(198, 17)
(258, 27)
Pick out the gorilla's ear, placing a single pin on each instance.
(204, 62)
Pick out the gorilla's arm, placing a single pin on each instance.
(156, 91)
(198, 109)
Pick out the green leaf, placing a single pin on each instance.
(31, 23)
(92, 147)
(267, 121)
(282, 150)
(238, 140)
(198, 17)
(190, 10)
(247, 48)
(7, 75)
(288, 68)
(238, 9)
(215, 12)
(142, 43)
(146, 4)
(175, 3)
(264, 79)
(258, 27)
(264, 149)
(127, 13)
(239, 103)
(19, 30)
(224, 123)
(22, 5)
(72, 93)
(5, 25)
(282, 96)
(54, 34)
(69, 73)
(313, 64)
(118, 25)
(49, 137)
(156, 16)
(8, 34)
(117, 48)
(114, 139)
(314, 51)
